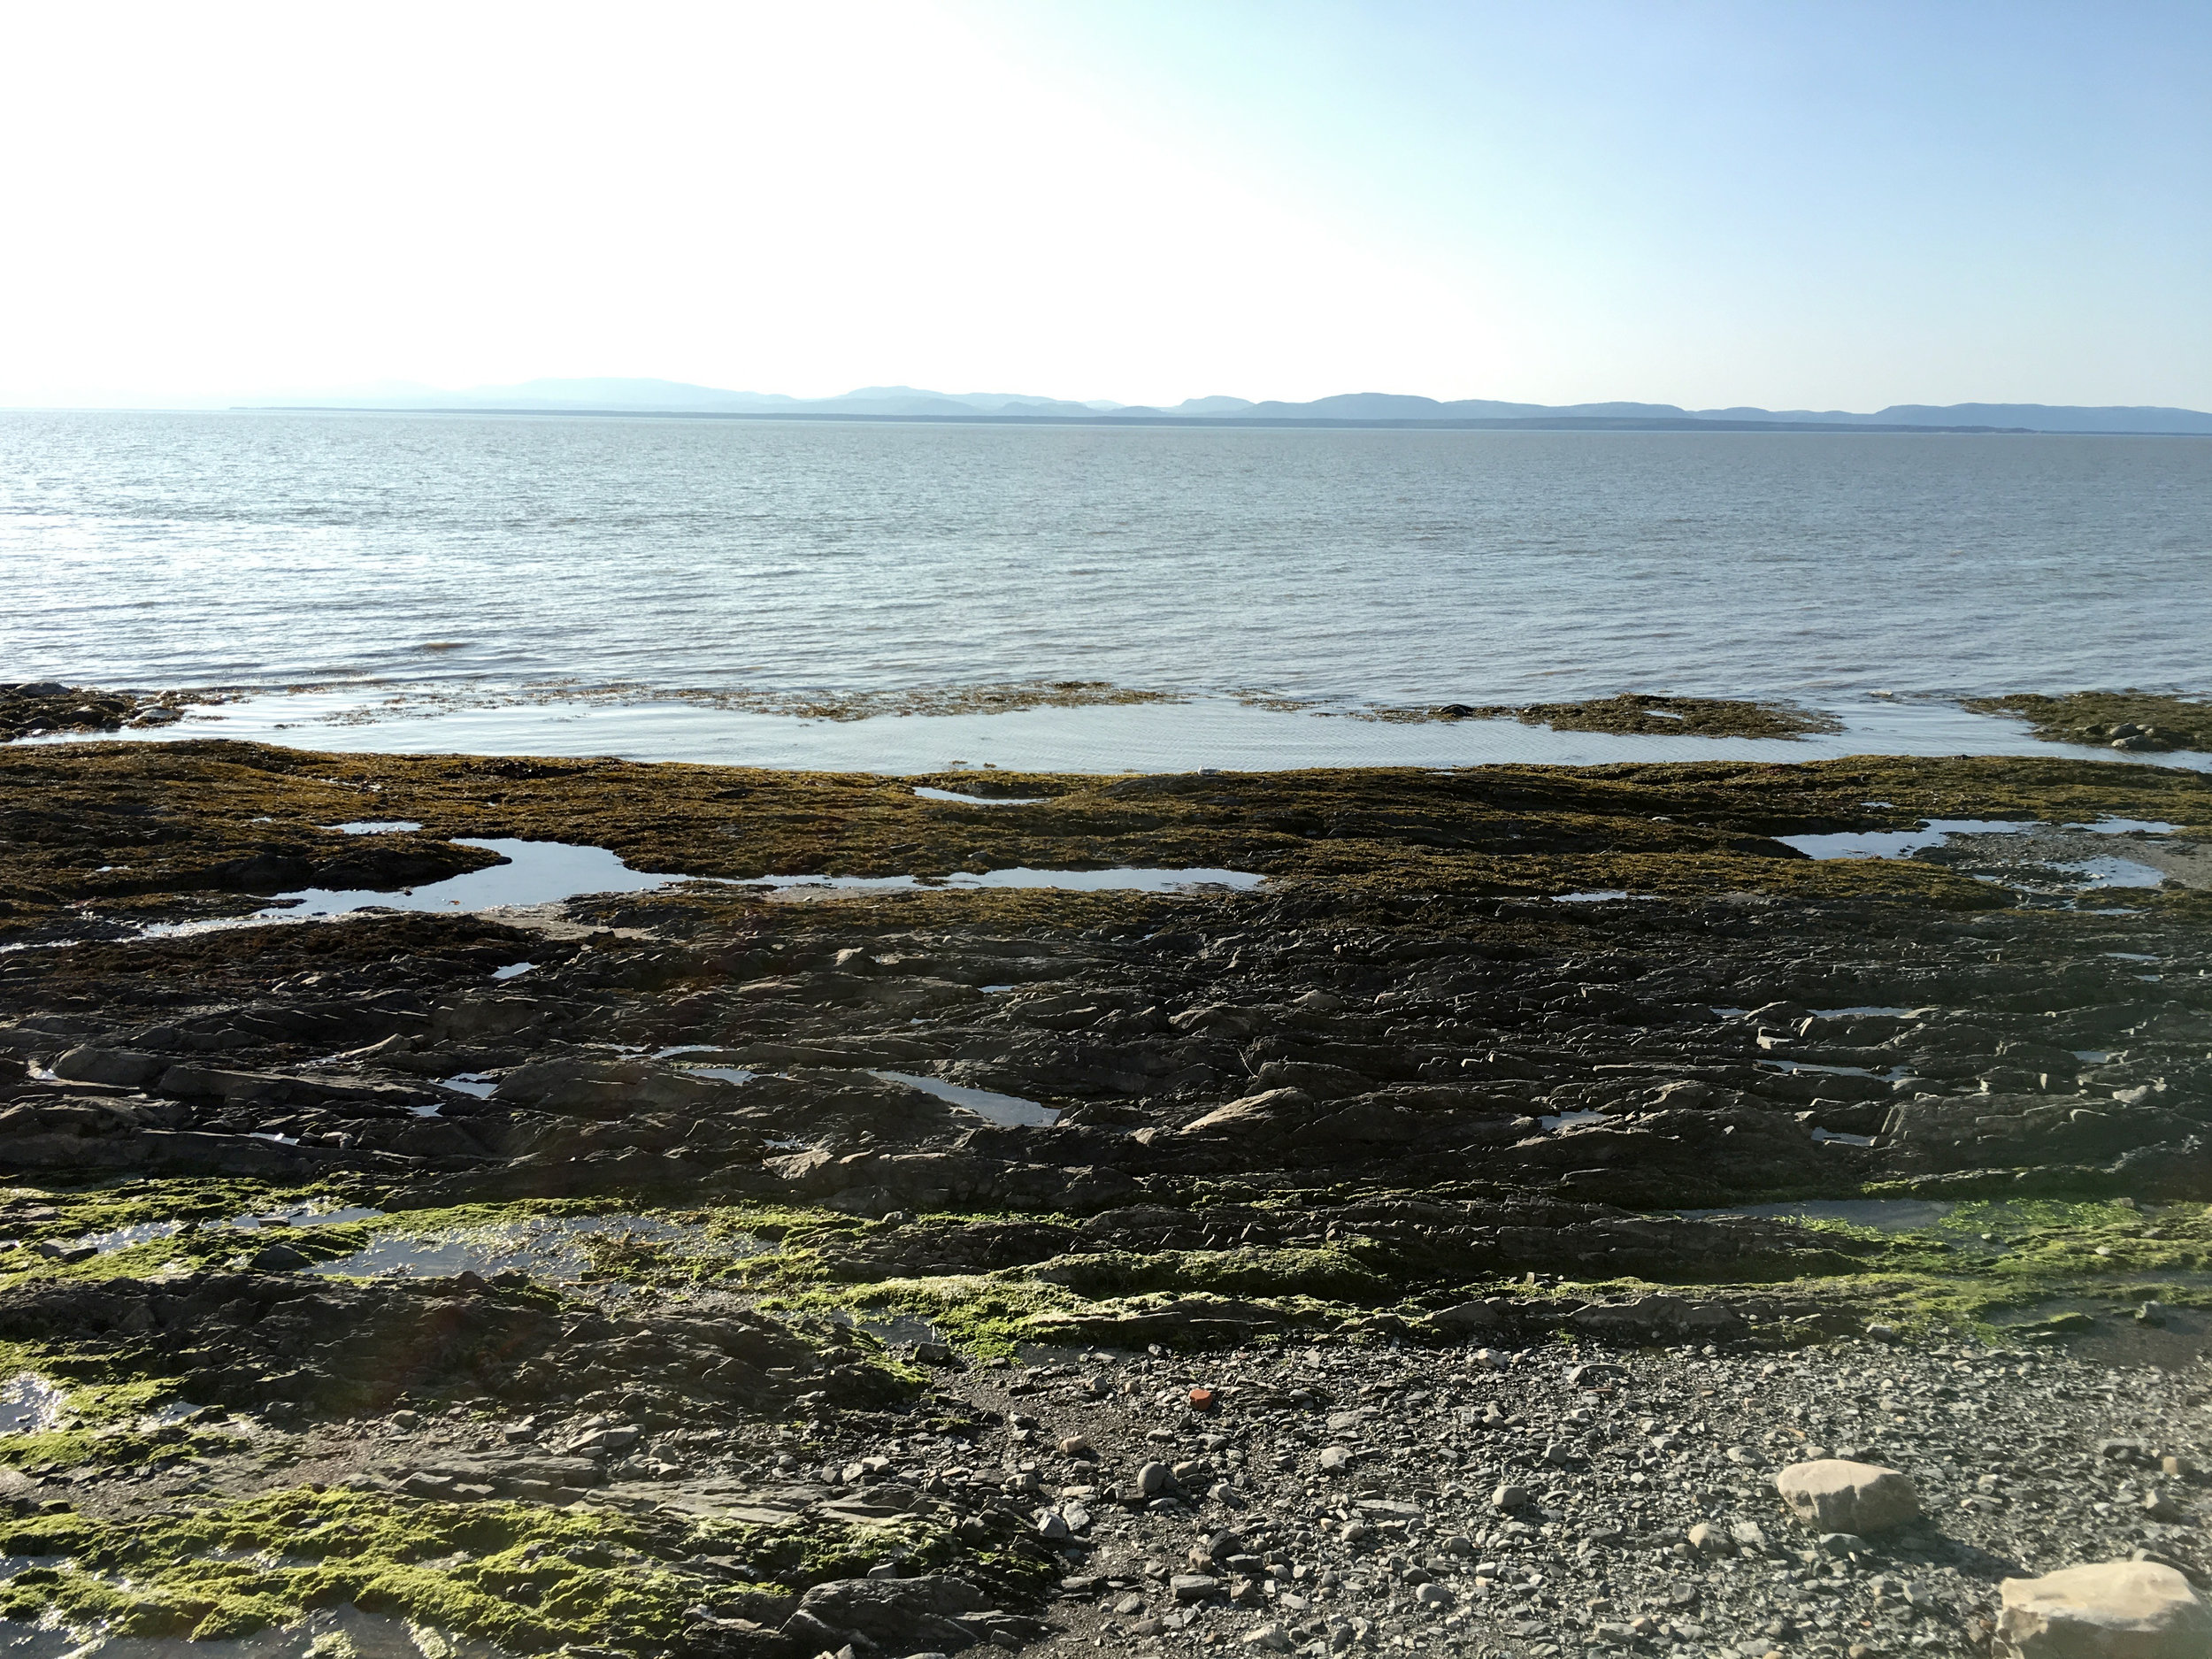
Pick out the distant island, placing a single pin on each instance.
(1351, 409)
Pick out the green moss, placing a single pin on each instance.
(1326, 1274)
(111, 1447)
(526, 1576)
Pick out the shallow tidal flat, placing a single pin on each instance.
(637, 1272)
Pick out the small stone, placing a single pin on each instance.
(1192, 1586)
(1335, 1459)
(1129, 1606)
(1274, 1638)
(1833, 1495)
(1509, 1497)
(1708, 1539)
(1432, 1595)
(2113, 1609)
(2158, 1507)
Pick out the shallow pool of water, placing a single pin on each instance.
(1008, 1110)
(302, 1215)
(536, 872)
(123, 1238)
(29, 1404)
(2113, 872)
(1899, 843)
(1935, 831)
(721, 1074)
(921, 794)
(554, 1249)
(1123, 880)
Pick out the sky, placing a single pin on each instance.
(1789, 204)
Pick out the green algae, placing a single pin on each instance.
(2089, 716)
(2054, 1250)
(993, 697)
(1637, 714)
(1326, 1274)
(529, 1577)
(194, 817)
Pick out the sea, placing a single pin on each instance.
(718, 590)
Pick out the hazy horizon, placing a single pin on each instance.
(1704, 202)
(652, 395)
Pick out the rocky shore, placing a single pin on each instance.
(1421, 1251)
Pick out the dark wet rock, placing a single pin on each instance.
(56, 1133)
(601, 1087)
(339, 1346)
(86, 1063)
(901, 1614)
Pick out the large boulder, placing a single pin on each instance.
(1265, 1115)
(2111, 1609)
(1832, 1494)
(120, 1067)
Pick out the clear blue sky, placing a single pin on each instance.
(1791, 204)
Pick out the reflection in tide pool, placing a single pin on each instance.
(536, 872)
(1007, 1110)
(1123, 880)
(303, 1216)
(29, 1403)
(554, 1249)
(921, 794)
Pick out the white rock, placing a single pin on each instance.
(2113, 1609)
(1832, 1495)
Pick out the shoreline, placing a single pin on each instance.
(698, 1305)
(1113, 730)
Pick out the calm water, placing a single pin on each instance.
(269, 550)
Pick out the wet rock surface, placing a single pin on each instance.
(1390, 1262)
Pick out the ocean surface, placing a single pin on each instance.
(660, 587)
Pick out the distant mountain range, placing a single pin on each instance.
(907, 403)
